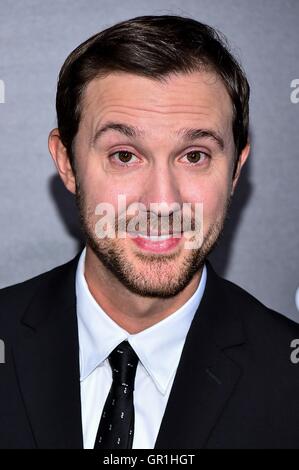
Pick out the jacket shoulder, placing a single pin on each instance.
(14, 299)
(259, 319)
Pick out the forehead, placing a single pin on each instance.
(182, 98)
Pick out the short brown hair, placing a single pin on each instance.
(154, 47)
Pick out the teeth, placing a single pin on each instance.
(155, 237)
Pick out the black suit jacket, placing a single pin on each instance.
(235, 386)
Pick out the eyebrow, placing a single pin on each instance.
(134, 132)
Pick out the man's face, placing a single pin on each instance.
(159, 162)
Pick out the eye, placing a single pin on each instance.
(123, 157)
(196, 157)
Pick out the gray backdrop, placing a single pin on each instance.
(39, 228)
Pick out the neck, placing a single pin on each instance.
(132, 312)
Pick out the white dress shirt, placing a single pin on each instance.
(159, 349)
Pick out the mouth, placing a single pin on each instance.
(157, 243)
(160, 237)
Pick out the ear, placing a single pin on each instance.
(242, 159)
(61, 160)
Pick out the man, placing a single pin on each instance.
(137, 342)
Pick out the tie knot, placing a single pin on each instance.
(123, 361)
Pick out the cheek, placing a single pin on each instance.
(214, 206)
(99, 189)
(212, 194)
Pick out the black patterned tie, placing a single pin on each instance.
(116, 428)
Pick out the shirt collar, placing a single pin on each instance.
(99, 334)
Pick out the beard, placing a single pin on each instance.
(154, 275)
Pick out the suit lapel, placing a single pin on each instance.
(206, 376)
(46, 356)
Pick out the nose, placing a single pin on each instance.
(161, 194)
